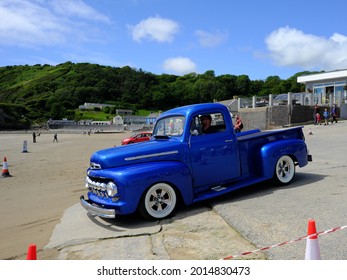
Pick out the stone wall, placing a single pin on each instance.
(277, 116)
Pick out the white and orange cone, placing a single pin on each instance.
(5, 172)
(312, 246)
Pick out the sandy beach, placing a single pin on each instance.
(44, 181)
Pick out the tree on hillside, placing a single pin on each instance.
(242, 85)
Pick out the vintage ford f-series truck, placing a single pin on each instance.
(182, 164)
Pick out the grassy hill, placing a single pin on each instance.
(43, 92)
(34, 94)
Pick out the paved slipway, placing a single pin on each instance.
(194, 233)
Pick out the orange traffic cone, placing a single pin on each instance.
(32, 252)
(5, 172)
(312, 246)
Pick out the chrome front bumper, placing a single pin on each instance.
(97, 210)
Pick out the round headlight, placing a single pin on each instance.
(111, 189)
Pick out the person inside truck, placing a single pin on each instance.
(206, 124)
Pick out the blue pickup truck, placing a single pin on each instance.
(181, 164)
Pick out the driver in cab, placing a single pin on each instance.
(206, 124)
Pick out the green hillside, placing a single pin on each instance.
(33, 94)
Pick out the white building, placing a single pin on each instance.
(326, 85)
(92, 106)
(118, 120)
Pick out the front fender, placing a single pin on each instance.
(134, 179)
(271, 152)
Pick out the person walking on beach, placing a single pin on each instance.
(334, 114)
(315, 112)
(326, 116)
(55, 138)
(318, 119)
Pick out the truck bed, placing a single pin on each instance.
(250, 143)
(275, 134)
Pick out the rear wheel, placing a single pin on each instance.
(158, 202)
(284, 170)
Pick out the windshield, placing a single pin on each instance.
(172, 126)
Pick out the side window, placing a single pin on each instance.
(218, 121)
(207, 123)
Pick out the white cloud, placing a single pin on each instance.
(77, 8)
(339, 38)
(210, 40)
(155, 28)
(42, 23)
(292, 47)
(25, 22)
(179, 65)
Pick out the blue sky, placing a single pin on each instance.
(255, 38)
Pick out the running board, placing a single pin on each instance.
(222, 189)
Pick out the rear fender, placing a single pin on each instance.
(271, 152)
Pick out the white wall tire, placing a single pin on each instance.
(284, 170)
(158, 202)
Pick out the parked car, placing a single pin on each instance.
(140, 137)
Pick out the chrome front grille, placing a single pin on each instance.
(97, 186)
(102, 187)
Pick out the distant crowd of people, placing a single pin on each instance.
(326, 115)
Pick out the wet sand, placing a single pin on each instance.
(44, 181)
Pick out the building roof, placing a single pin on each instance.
(322, 76)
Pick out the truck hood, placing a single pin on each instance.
(153, 150)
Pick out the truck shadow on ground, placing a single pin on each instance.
(122, 222)
(135, 221)
(268, 188)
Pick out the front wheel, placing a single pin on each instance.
(158, 202)
(284, 170)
